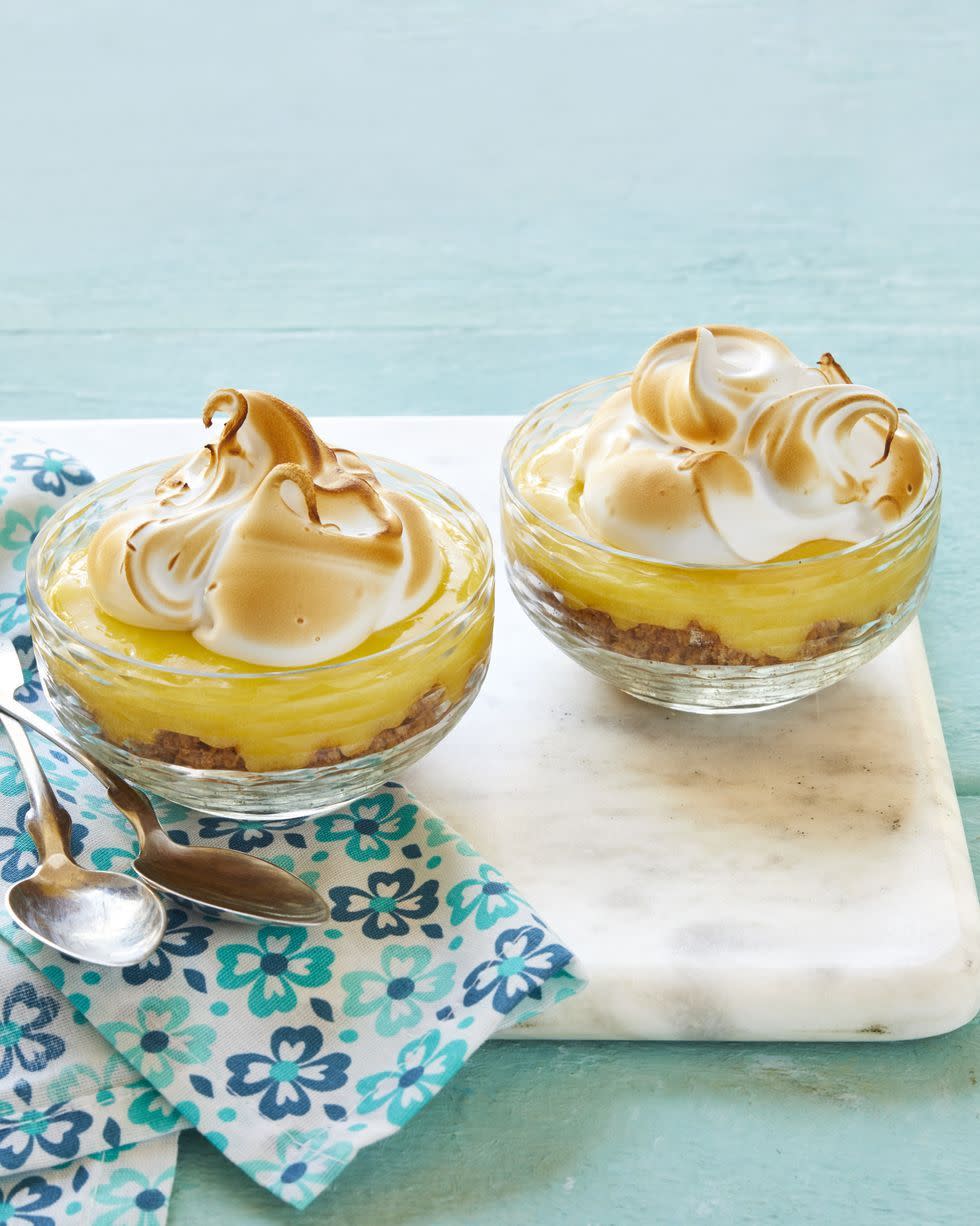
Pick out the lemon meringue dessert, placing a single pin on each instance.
(269, 603)
(725, 506)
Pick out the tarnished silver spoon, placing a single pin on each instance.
(104, 918)
(229, 884)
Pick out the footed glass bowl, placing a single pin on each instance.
(243, 741)
(707, 638)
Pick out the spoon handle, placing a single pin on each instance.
(132, 804)
(11, 709)
(48, 824)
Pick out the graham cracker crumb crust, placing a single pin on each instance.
(694, 644)
(182, 750)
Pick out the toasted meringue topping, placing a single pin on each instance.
(728, 449)
(696, 387)
(267, 545)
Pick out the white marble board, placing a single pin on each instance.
(799, 874)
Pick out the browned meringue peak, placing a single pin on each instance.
(695, 386)
(267, 545)
(828, 443)
(727, 448)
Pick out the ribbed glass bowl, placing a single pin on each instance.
(108, 698)
(651, 627)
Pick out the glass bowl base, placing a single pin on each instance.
(705, 689)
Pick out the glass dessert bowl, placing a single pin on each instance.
(724, 529)
(268, 627)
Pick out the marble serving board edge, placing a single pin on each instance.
(800, 874)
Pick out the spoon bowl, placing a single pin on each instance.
(104, 918)
(218, 882)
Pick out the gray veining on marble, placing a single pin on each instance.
(798, 874)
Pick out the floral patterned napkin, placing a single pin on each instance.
(83, 1138)
(72, 1113)
(291, 1049)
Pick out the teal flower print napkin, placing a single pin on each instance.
(83, 1138)
(290, 1049)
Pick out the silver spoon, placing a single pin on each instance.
(104, 918)
(227, 884)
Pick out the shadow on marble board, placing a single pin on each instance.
(809, 752)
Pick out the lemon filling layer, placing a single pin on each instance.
(761, 610)
(166, 681)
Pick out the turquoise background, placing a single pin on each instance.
(461, 208)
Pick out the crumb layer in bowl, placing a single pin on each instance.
(183, 750)
(691, 644)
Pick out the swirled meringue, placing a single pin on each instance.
(267, 545)
(727, 449)
(697, 387)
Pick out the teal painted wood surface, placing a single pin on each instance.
(448, 207)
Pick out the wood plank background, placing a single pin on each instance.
(446, 207)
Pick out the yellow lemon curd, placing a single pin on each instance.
(764, 610)
(165, 681)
